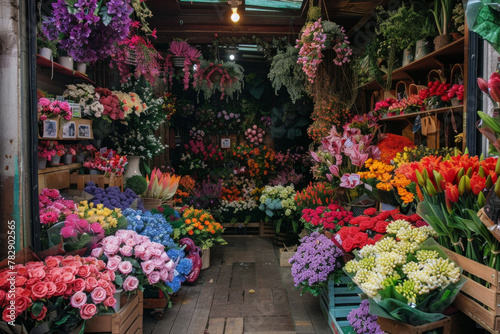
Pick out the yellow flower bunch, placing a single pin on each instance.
(110, 220)
(377, 170)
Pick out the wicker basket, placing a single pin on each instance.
(457, 74)
(414, 89)
(436, 75)
(402, 89)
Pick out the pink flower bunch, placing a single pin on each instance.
(54, 108)
(111, 104)
(196, 134)
(343, 50)
(85, 148)
(191, 57)
(138, 259)
(54, 208)
(311, 42)
(70, 149)
(210, 153)
(83, 283)
(77, 229)
(254, 135)
(46, 150)
(331, 217)
(286, 160)
(383, 106)
(108, 162)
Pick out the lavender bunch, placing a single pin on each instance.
(317, 260)
(362, 321)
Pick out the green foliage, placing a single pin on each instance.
(398, 27)
(288, 122)
(137, 183)
(286, 72)
(442, 15)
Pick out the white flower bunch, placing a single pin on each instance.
(86, 97)
(382, 264)
(285, 194)
(237, 206)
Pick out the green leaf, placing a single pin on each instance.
(37, 307)
(63, 319)
(278, 132)
(119, 280)
(134, 262)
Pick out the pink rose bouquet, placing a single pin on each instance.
(76, 288)
(79, 233)
(53, 208)
(48, 109)
(136, 261)
(254, 135)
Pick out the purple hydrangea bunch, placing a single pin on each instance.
(362, 321)
(112, 197)
(316, 261)
(88, 29)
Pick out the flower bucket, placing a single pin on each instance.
(117, 295)
(441, 41)
(66, 62)
(67, 159)
(407, 57)
(205, 258)
(42, 163)
(46, 53)
(81, 67)
(55, 161)
(422, 49)
(178, 62)
(94, 171)
(151, 203)
(80, 158)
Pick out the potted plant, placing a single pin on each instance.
(225, 77)
(310, 43)
(161, 188)
(398, 29)
(286, 72)
(442, 15)
(336, 38)
(423, 46)
(47, 48)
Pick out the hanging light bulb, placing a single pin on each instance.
(231, 57)
(235, 17)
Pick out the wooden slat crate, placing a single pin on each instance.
(241, 229)
(100, 180)
(395, 327)
(266, 229)
(337, 301)
(128, 320)
(478, 301)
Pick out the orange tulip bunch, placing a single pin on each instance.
(259, 161)
(314, 195)
(201, 227)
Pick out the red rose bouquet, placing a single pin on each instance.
(382, 107)
(73, 288)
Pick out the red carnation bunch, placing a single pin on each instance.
(369, 228)
(330, 218)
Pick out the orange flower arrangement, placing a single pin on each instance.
(391, 145)
(185, 189)
(259, 161)
(201, 227)
(316, 194)
(230, 194)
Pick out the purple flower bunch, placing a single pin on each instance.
(89, 28)
(112, 197)
(362, 321)
(316, 261)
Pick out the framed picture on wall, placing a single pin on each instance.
(225, 143)
(84, 131)
(69, 130)
(50, 128)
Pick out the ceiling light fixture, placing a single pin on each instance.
(234, 8)
(235, 16)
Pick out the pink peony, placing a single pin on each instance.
(131, 283)
(88, 311)
(78, 299)
(98, 295)
(114, 262)
(125, 267)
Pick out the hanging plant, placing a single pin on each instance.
(190, 57)
(312, 39)
(225, 77)
(286, 72)
(88, 30)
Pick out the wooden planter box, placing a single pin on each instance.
(100, 180)
(479, 301)
(128, 320)
(337, 301)
(395, 327)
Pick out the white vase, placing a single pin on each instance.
(81, 67)
(133, 166)
(66, 62)
(46, 53)
(117, 295)
(55, 160)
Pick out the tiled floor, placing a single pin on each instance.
(244, 291)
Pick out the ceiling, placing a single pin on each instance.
(199, 20)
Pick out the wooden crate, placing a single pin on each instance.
(241, 229)
(266, 230)
(479, 301)
(337, 301)
(286, 253)
(100, 180)
(391, 326)
(128, 320)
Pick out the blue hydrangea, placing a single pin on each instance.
(175, 285)
(175, 253)
(184, 266)
(151, 225)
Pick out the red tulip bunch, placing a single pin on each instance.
(491, 87)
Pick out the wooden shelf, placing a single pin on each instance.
(415, 114)
(47, 63)
(453, 51)
(59, 168)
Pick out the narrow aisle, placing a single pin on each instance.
(243, 291)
